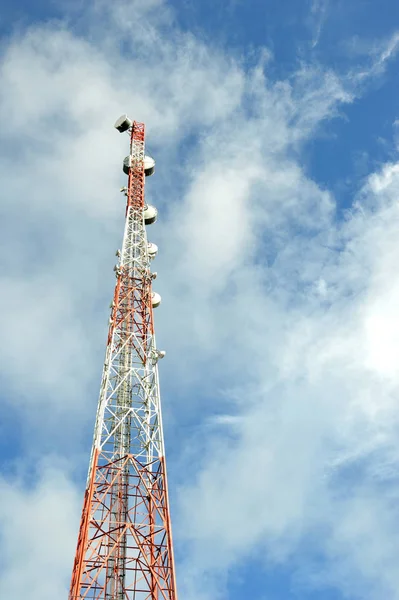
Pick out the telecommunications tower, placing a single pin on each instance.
(124, 549)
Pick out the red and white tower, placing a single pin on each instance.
(124, 549)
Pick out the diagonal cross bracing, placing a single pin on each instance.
(124, 549)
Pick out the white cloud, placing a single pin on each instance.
(390, 49)
(376, 57)
(330, 401)
(38, 533)
(319, 12)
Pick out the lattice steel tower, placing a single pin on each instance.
(124, 549)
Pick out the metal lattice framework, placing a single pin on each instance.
(124, 549)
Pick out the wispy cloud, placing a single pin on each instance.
(35, 526)
(319, 13)
(375, 57)
(330, 389)
(390, 49)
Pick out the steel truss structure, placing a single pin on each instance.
(124, 549)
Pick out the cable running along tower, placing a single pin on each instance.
(124, 549)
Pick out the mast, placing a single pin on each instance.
(124, 549)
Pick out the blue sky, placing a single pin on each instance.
(275, 130)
